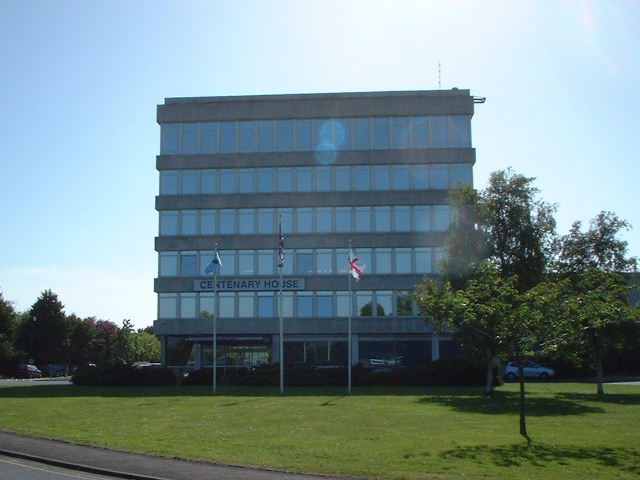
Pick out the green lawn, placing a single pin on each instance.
(418, 433)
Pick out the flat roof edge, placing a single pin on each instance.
(306, 96)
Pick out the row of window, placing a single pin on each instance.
(303, 262)
(321, 135)
(315, 179)
(322, 304)
(248, 221)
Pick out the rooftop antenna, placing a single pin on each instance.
(439, 78)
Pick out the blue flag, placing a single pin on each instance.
(214, 266)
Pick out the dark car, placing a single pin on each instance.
(27, 370)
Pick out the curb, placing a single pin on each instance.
(77, 466)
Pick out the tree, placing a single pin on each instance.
(598, 307)
(147, 347)
(50, 332)
(8, 321)
(519, 227)
(124, 350)
(485, 313)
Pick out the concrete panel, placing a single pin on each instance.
(434, 102)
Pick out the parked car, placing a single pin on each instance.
(531, 370)
(28, 370)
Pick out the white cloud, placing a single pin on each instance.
(108, 295)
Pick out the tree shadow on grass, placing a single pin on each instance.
(507, 403)
(543, 455)
(616, 398)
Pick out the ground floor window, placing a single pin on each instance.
(236, 355)
(317, 353)
(395, 354)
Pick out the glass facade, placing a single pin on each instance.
(304, 135)
(215, 197)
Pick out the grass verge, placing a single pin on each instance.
(400, 433)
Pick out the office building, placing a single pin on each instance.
(373, 169)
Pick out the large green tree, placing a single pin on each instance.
(48, 329)
(597, 307)
(8, 323)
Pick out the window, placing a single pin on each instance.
(227, 304)
(207, 305)
(265, 220)
(245, 220)
(440, 177)
(401, 177)
(343, 179)
(246, 307)
(189, 222)
(422, 218)
(382, 219)
(418, 137)
(247, 137)
(403, 260)
(285, 135)
(381, 177)
(168, 264)
(246, 180)
(438, 132)
(227, 222)
(324, 220)
(167, 305)
(400, 132)
(303, 135)
(343, 219)
(383, 260)
(189, 182)
(304, 304)
(209, 179)
(380, 133)
(363, 219)
(187, 305)
(460, 176)
(361, 134)
(404, 304)
(228, 132)
(169, 183)
(441, 218)
(364, 303)
(170, 138)
(285, 179)
(303, 179)
(266, 305)
(266, 262)
(208, 222)
(402, 219)
(188, 266)
(265, 180)
(265, 136)
(362, 177)
(420, 177)
(304, 263)
(227, 181)
(190, 141)
(304, 220)
(460, 131)
(342, 304)
(324, 262)
(383, 304)
(169, 222)
(324, 304)
(323, 179)
(423, 260)
(246, 262)
(209, 139)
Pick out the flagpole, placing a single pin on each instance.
(349, 327)
(215, 316)
(280, 268)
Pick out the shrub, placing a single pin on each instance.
(123, 375)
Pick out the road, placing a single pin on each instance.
(20, 469)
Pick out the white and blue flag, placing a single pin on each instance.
(214, 266)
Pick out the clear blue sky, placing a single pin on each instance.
(81, 80)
